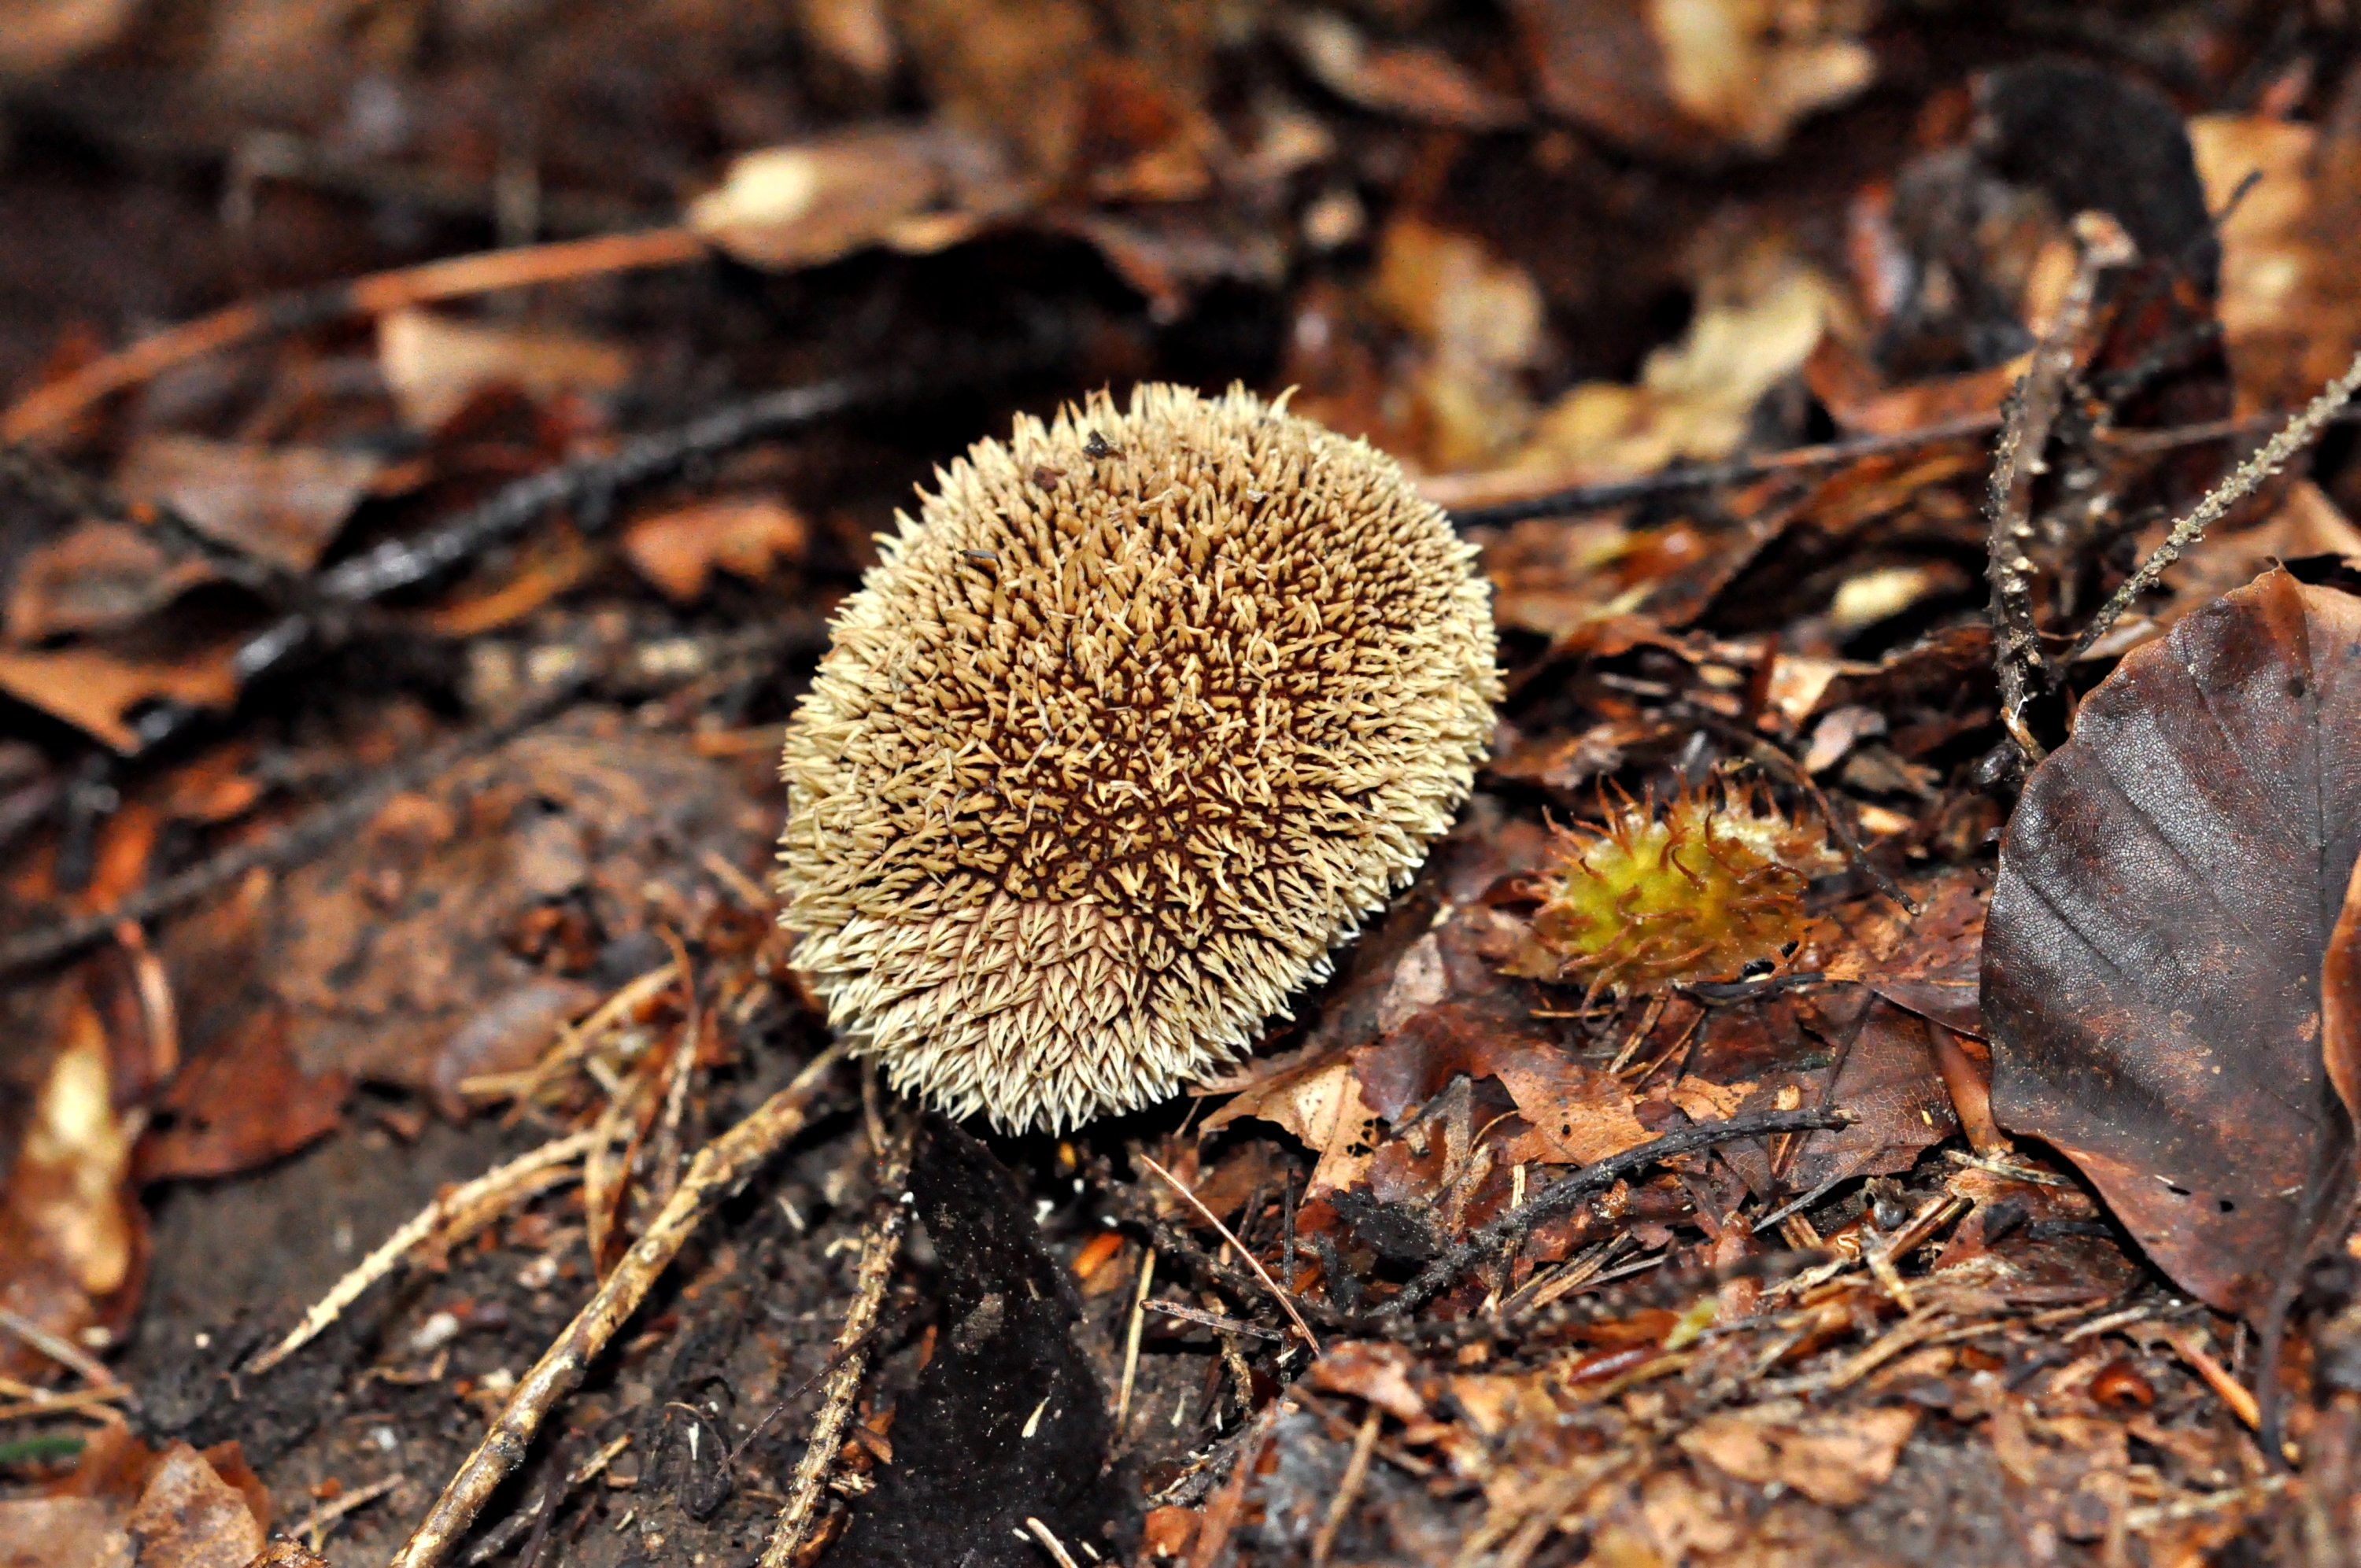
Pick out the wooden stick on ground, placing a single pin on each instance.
(64, 1352)
(499, 1181)
(45, 409)
(719, 1169)
(1348, 1490)
(879, 1249)
(1560, 1196)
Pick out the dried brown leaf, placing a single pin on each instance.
(1837, 1459)
(678, 551)
(283, 506)
(2153, 959)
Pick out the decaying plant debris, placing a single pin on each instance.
(1866, 1076)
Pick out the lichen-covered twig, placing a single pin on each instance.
(879, 1249)
(719, 1169)
(2244, 481)
(2032, 411)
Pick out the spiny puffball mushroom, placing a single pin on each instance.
(1144, 715)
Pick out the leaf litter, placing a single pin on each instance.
(387, 792)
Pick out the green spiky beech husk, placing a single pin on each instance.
(1697, 889)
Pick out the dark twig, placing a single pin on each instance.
(1608, 493)
(331, 600)
(1555, 1199)
(2032, 411)
(43, 479)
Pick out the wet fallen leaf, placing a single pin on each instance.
(2153, 958)
(68, 1228)
(395, 953)
(1412, 80)
(815, 200)
(2340, 996)
(1483, 1024)
(2290, 309)
(1888, 1079)
(44, 36)
(1375, 1371)
(1756, 323)
(1476, 317)
(98, 690)
(190, 1517)
(60, 1532)
(95, 577)
(1320, 1102)
(1010, 72)
(239, 1106)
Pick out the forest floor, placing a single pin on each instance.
(436, 435)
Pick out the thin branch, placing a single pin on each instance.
(1348, 1490)
(298, 841)
(46, 409)
(1555, 1199)
(721, 1168)
(2032, 411)
(62, 1351)
(879, 1250)
(1454, 492)
(2244, 480)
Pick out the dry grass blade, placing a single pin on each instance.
(1131, 1340)
(64, 1352)
(1049, 1542)
(313, 1526)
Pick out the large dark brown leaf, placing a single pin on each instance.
(2153, 959)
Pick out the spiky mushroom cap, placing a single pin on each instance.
(1144, 715)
